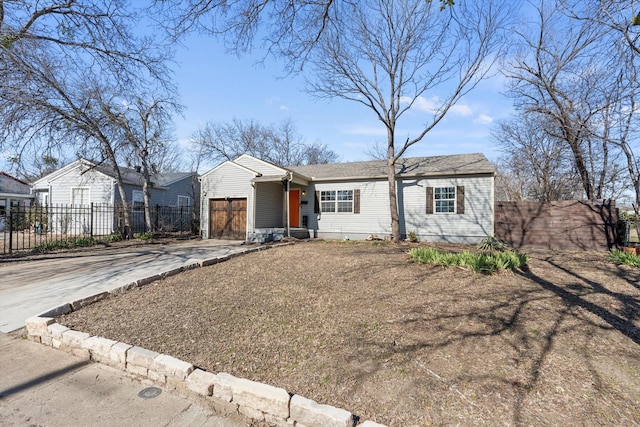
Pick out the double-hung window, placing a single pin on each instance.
(137, 199)
(79, 196)
(336, 201)
(445, 199)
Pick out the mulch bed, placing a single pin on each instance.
(362, 327)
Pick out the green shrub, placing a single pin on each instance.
(626, 258)
(412, 236)
(116, 237)
(487, 262)
(143, 236)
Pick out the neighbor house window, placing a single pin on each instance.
(336, 201)
(79, 196)
(445, 199)
(137, 200)
(184, 201)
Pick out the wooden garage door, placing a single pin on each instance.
(228, 219)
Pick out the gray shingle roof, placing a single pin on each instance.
(458, 164)
(131, 176)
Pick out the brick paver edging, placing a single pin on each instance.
(227, 394)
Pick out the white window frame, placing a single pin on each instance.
(137, 196)
(336, 201)
(446, 200)
(86, 191)
(187, 198)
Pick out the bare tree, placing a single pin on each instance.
(58, 61)
(617, 15)
(286, 28)
(551, 76)
(389, 55)
(575, 69)
(280, 145)
(618, 122)
(536, 166)
(145, 127)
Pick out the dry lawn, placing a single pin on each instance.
(362, 327)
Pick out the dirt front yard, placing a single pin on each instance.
(362, 327)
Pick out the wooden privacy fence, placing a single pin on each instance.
(562, 225)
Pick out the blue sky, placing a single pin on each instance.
(217, 86)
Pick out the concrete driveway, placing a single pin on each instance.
(32, 287)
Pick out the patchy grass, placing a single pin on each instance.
(364, 327)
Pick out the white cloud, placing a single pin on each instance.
(461, 110)
(483, 119)
(284, 108)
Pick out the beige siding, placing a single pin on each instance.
(374, 218)
(475, 224)
(269, 205)
(229, 181)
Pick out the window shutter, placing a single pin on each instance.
(460, 199)
(356, 201)
(429, 200)
(316, 203)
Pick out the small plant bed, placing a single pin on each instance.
(625, 258)
(483, 262)
(74, 242)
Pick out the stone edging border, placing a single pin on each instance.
(227, 394)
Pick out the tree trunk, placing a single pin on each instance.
(393, 196)
(147, 202)
(126, 233)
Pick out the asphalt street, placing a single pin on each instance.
(29, 288)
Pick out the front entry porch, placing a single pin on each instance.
(264, 235)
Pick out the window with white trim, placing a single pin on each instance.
(341, 201)
(79, 196)
(336, 201)
(445, 199)
(184, 201)
(137, 200)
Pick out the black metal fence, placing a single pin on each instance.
(41, 227)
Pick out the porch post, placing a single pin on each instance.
(288, 209)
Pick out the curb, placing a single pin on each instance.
(226, 393)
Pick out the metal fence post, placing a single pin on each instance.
(10, 230)
(91, 222)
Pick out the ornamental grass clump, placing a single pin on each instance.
(626, 258)
(485, 262)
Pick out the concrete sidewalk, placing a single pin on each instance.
(41, 386)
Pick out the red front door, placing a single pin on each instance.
(294, 208)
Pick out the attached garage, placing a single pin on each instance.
(228, 218)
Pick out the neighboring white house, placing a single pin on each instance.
(84, 183)
(13, 193)
(440, 199)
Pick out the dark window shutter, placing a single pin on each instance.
(429, 200)
(316, 203)
(356, 201)
(460, 199)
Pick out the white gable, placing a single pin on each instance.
(260, 166)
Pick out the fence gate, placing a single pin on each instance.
(228, 219)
